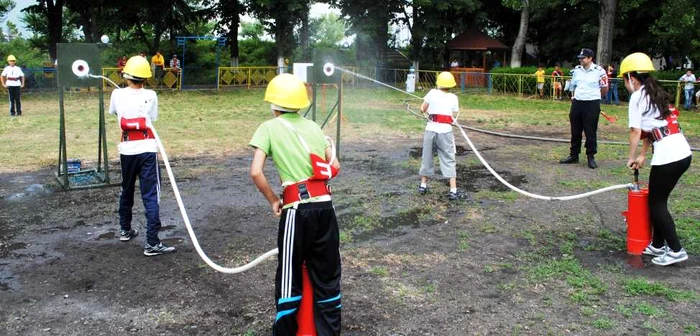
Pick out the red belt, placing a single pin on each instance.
(662, 132)
(304, 190)
(441, 118)
(132, 135)
(13, 78)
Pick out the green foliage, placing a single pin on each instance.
(27, 55)
(256, 52)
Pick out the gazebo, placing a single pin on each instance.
(471, 50)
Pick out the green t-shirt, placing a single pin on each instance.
(282, 144)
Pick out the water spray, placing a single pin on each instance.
(483, 161)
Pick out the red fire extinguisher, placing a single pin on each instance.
(637, 218)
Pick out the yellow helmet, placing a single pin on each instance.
(11, 58)
(638, 62)
(137, 67)
(445, 80)
(288, 91)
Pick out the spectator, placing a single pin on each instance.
(175, 64)
(454, 64)
(496, 63)
(136, 108)
(540, 80)
(158, 65)
(589, 83)
(612, 96)
(689, 88)
(654, 122)
(13, 79)
(557, 76)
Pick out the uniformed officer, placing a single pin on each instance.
(589, 84)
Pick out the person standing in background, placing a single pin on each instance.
(589, 83)
(688, 89)
(13, 79)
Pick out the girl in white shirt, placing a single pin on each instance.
(654, 122)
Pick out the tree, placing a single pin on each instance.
(229, 14)
(52, 12)
(280, 17)
(519, 44)
(605, 30)
(327, 30)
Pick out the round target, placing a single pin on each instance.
(328, 69)
(81, 68)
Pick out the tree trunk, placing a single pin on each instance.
(304, 36)
(519, 45)
(605, 31)
(233, 39)
(55, 16)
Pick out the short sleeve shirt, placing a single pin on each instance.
(667, 150)
(588, 82)
(135, 103)
(286, 150)
(540, 76)
(440, 102)
(13, 72)
(689, 81)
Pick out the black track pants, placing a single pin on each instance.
(308, 233)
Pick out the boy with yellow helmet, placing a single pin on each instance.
(439, 104)
(653, 121)
(12, 78)
(308, 228)
(136, 108)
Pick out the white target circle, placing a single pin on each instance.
(104, 39)
(328, 69)
(80, 68)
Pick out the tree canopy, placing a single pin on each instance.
(551, 31)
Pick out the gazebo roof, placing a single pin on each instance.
(473, 39)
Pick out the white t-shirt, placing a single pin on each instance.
(667, 150)
(12, 72)
(135, 103)
(689, 81)
(440, 102)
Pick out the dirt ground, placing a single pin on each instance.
(412, 264)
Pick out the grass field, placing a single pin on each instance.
(197, 123)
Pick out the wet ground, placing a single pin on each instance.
(412, 265)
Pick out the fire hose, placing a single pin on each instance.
(186, 218)
(516, 189)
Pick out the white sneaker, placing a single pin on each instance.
(650, 250)
(670, 258)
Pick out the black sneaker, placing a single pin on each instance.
(125, 235)
(569, 160)
(454, 196)
(422, 190)
(157, 249)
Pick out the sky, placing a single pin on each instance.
(16, 13)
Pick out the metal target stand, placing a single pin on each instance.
(182, 42)
(68, 54)
(323, 76)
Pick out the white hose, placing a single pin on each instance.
(195, 242)
(546, 198)
(514, 188)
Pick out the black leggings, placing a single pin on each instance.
(662, 180)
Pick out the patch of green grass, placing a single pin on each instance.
(507, 197)
(625, 311)
(690, 328)
(587, 311)
(380, 271)
(640, 286)
(604, 323)
(650, 310)
(462, 243)
(653, 327)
